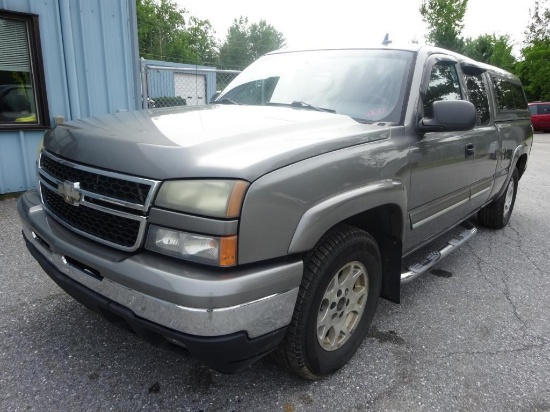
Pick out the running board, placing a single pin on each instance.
(434, 257)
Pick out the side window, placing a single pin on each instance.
(519, 97)
(477, 93)
(544, 108)
(22, 92)
(443, 85)
(509, 96)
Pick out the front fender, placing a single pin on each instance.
(281, 207)
(320, 218)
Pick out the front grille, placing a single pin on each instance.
(121, 189)
(110, 228)
(108, 207)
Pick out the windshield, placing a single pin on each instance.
(368, 85)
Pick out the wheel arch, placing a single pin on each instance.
(519, 162)
(384, 224)
(521, 165)
(379, 208)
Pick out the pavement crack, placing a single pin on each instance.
(504, 280)
(506, 294)
(478, 259)
(518, 238)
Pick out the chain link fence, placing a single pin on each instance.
(166, 84)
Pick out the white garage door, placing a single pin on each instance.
(192, 87)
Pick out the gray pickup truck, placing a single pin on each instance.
(274, 219)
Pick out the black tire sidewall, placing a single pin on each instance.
(506, 216)
(320, 361)
(494, 215)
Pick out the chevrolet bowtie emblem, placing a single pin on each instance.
(70, 192)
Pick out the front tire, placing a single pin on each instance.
(497, 214)
(336, 303)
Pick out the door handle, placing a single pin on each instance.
(470, 151)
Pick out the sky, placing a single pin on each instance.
(352, 23)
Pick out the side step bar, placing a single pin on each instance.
(434, 257)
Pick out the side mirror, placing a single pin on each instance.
(449, 116)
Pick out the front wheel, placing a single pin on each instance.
(336, 303)
(497, 213)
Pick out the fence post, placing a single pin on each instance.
(144, 88)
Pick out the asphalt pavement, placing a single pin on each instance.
(471, 335)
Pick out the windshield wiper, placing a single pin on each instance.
(297, 103)
(225, 100)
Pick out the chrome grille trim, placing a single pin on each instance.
(153, 184)
(134, 247)
(97, 207)
(92, 195)
(48, 181)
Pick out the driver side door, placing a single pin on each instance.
(441, 162)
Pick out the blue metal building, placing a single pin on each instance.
(67, 59)
(168, 79)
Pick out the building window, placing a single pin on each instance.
(23, 102)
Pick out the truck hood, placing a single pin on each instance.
(243, 142)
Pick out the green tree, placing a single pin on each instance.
(234, 52)
(445, 22)
(491, 49)
(538, 28)
(165, 33)
(534, 70)
(202, 41)
(263, 38)
(534, 67)
(246, 42)
(159, 27)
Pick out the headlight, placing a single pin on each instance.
(220, 251)
(215, 198)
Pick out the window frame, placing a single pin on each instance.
(37, 72)
(433, 60)
(484, 80)
(503, 114)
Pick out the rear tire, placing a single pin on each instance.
(336, 303)
(497, 214)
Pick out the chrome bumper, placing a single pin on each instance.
(256, 317)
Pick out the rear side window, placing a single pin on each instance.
(477, 94)
(510, 96)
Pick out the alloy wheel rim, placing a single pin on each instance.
(342, 306)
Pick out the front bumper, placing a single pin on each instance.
(166, 296)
